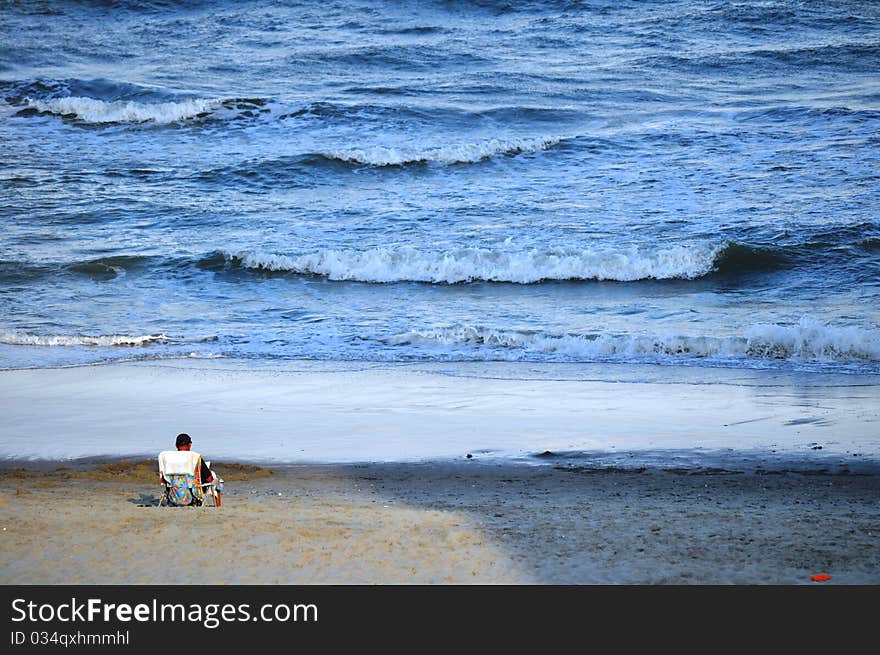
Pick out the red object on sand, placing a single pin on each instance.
(820, 577)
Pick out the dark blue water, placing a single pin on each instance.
(684, 183)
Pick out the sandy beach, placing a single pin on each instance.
(448, 480)
(468, 522)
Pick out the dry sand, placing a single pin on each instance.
(460, 522)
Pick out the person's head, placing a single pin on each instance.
(183, 441)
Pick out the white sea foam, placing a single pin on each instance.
(91, 110)
(502, 264)
(21, 339)
(809, 339)
(460, 153)
(805, 341)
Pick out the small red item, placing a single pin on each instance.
(820, 577)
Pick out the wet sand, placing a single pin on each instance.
(320, 413)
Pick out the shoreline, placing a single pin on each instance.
(441, 523)
(684, 462)
(383, 414)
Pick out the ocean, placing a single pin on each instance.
(599, 185)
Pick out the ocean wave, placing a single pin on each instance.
(789, 113)
(855, 57)
(506, 264)
(23, 339)
(20, 91)
(870, 243)
(739, 258)
(108, 267)
(829, 54)
(312, 166)
(90, 110)
(16, 272)
(103, 268)
(384, 265)
(461, 153)
(806, 341)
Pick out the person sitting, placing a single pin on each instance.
(183, 472)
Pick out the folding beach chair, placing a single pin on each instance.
(180, 476)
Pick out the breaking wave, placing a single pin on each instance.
(806, 341)
(90, 110)
(461, 153)
(405, 264)
(19, 339)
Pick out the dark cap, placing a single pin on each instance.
(182, 439)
